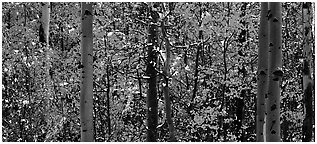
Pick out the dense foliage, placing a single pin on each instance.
(40, 106)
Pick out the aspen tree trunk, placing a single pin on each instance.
(307, 80)
(166, 72)
(45, 20)
(152, 102)
(262, 72)
(108, 101)
(44, 34)
(86, 92)
(44, 41)
(275, 73)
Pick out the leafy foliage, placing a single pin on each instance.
(41, 106)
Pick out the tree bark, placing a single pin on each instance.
(166, 72)
(197, 65)
(86, 93)
(262, 80)
(152, 103)
(275, 73)
(44, 36)
(108, 102)
(307, 80)
(44, 26)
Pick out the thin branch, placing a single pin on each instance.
(141, 21)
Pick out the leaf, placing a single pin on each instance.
(187, 68)
(198, 119)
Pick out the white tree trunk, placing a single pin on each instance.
(86, 93)
(275, 73)
(46, 20)
(262, 72)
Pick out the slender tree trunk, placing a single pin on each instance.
(262, 72)
(108, 101)
(275, 73)
(27, 52)
(168, 109)
(200, 36)
(307, 80)
(196, 66)
(44, 39)
(186, 64)
(152, 103)
(86, 93)
(45, 20)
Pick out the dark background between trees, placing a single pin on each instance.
(213, 98)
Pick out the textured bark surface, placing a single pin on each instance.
(275, 73)
(307, 80)
(168, 109)
(262, 80)
(86, 92)
(152, 103)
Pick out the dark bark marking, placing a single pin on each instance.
(273, 132)
(278, 72)
(307, 30)
(306, 70)
(81, 66)
(262, 72)
(269, 15)
(87, 12)
(273, 107)
(306, 5)
(42, 34)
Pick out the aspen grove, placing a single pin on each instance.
(158, 71)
